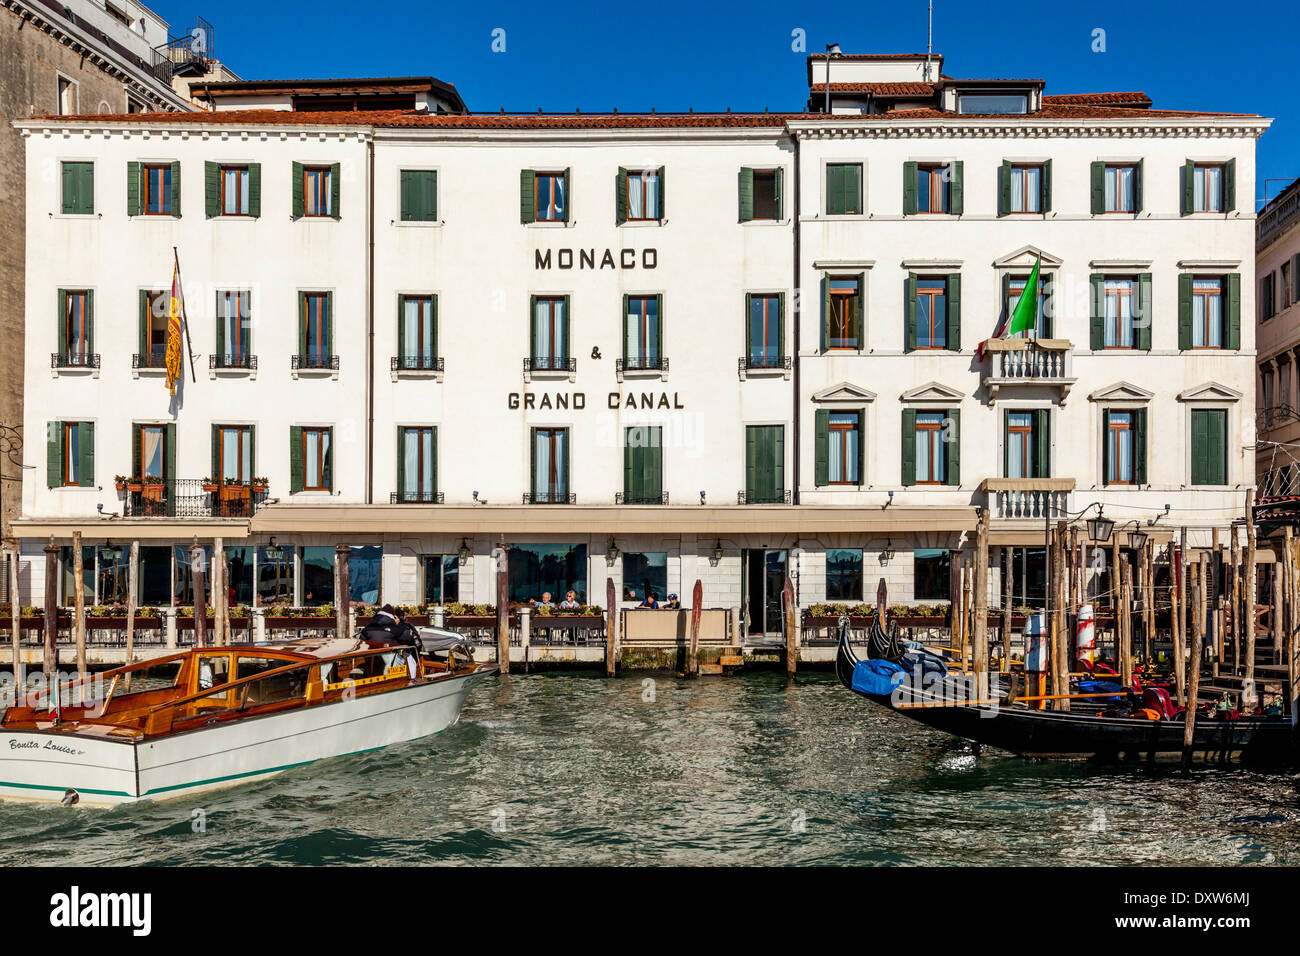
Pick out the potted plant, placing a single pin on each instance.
(211, 486)
(261, 485)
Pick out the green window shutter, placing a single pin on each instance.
(68, 184)
(133, 189)
(433, 316)
(86, 454)
(216, 453)
(221, 329)
(90, 318)
(626, 297)
(78, 181)
(834, 189)
(854, 182)
(136, 439)
(1143, 331)
(1097, 323)
(86, 189)
(1185, 311)
(176, 190)
(211, 190)
(1042, 444)
(335, 188)
(532, 460)
(954, 312)
(654, 467)
(295, 459)
(63, 321)
(143, 325)
(1230, 186)
(909, 447)
(1234, 310)
(169, 453)
(430, 192)
(1105, 447)
(433, 454)
(1140, 445)
(1098, 182)
(957, 189)
(1218, 446)
(329, 323)
(532, 324)
(255, 190)
(1139, 179)
(620, 196)
(54, 454)
(401, 459)
(780, 192)
(1004, 188)
(1045, 187)
(1006, 443)
(408, 198)
(826, 311)
(401, 325)
(780, 324)
(659, 332)
(746, 193)
(909, 316)
(953, 447)
(747, 342)
(909, 189)
(568, 214)
(329, 458)
(296, 187)
(1189, 187)
(1006, 306)
(821, 448)
(663, 195)
(1047, 284)
(527, 196)
(568, 346)
(751, 458)
(631, 473)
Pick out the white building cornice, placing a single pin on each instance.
(1192, 127)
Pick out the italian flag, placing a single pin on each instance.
(1025, 315)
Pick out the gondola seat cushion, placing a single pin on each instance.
(877, 678)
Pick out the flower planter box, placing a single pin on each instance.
(119, 623)
(568, 620)
(474, 620)
(211, 488)
(313, 621)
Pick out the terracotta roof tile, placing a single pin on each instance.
(1128, 98)
(878, 89)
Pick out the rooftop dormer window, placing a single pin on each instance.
(999, 103)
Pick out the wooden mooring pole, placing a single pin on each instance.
(199, 593)
(503, 607)
(79, 613)
(1180, 618)
(1251, 585)
(131, 592)
(1194, 679)
(790, 610)
(16, 632)
(343, 596)
(611, 627)
(1009, 564)
(980, 632)
(50, 651)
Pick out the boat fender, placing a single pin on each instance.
(70, 798)
(1085, 636)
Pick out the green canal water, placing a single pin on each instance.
(571, 768)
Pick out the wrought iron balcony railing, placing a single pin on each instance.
(189, 498)
(1274, 416)
(235, 360)
(550, 363)
(550, 498)
(417, 363)
(754, 362)
(156, 357)
(416, 498)
(314, 362)
(624, 498)
(763, 497)
(74, 360)
(641, 364)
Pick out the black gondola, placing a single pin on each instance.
(1070, 734)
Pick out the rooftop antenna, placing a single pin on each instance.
(929, 40)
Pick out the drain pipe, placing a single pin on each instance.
(798, 320)
(370, 324)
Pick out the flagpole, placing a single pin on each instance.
(185, 322)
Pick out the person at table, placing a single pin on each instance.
(672, 604)
(649, 601)
(545, 602)
(570, 602)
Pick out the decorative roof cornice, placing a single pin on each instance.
(1189, 127)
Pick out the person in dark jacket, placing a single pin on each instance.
(388, 627)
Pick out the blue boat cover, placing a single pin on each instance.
(1100, 687)
(877, 677)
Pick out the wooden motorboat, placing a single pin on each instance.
(217, 716)
(947, 703)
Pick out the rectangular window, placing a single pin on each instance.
(767, 194)
(844, 189)
(71, 443)
(1287, 286)
(1266, 385)
(1207, 187)
(275, 566)
(441, 578)
(1015, 288)
(765, 346)
(1026, 188)
(418, 466)
(1207, 313)
(1118, 315)
(844, 448)
(1119, 448)
(845, 313)
(931, 313)
(1209, 446)
(764, 464)
(931, 576)
(234, 329)
(931, 457)
(316, 344)
(419, 195)
(843, 574)
(157, 188)
(235, 453)
(538, 570)
(645, 574)
(642, 195)
(932, 193)
(78, 181)
(318, 190)
(67, 97)
(419, 338)
(642, 333)
(549, 197)
(156, 307)
(153, 452)
(1266, 287)
(78, 321)
(550, 466)
(316, 459)
(992, 103)
(1121, 188)
(234, 190)
(1020, 445)
(643, 465)
(550, 346)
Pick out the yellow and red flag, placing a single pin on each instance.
(173, 356)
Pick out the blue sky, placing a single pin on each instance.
(672, 55)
